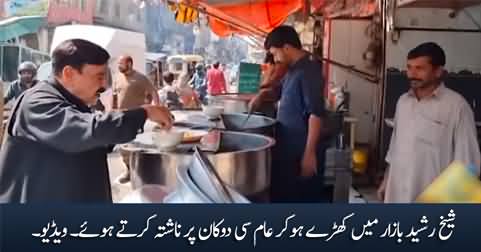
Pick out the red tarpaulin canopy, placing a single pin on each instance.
(256, 17)
(259, 17)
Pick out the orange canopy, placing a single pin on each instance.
(256, 17)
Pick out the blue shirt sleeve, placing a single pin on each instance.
(312, 90)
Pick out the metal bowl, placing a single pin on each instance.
(167, 140)
(255, 124)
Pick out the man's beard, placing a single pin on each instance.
(124, 69)
(418, 83)
(26, 82)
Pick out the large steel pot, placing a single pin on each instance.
(255, 124)
(243, 162)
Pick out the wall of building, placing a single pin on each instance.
(120, 14)
(463, 50)
(347, 43)
(2, 9)
(78, 11)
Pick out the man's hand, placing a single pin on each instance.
(309, 164)
(257, 101)
(254, 104)
(160, 115)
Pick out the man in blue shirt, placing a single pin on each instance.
(298, 157)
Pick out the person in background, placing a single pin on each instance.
(226, 71)
(299, 153)
(132, 90)
(168, 93)
(187, 95)
(26, 73)
(56, 147)
(198, 82)
(433, 126)
(192, 66)
(215, 81)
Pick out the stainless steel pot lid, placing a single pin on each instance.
(186, 190)
(204, 175)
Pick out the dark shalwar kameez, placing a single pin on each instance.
(56, 147)
(301, 97)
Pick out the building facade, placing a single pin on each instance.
(71, 11)
(124, 14)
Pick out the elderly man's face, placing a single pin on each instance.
(88, 83)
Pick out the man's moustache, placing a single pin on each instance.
(100, 90)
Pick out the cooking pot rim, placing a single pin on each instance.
(270, 121)
(270, 142)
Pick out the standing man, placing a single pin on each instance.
(26, 73)
(215, 80)
(433, 127)
(298, 157)
(198, 82)
(132, 90)
(56, 147)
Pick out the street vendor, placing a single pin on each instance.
(56, 147)
(433, 127)
(298, 157)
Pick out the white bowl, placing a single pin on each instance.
(167, 140)
(213, 111)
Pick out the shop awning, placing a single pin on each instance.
(259, 17)
(254, 17)
(345, 8)
(18, 26)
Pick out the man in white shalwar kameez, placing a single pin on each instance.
(433, 127)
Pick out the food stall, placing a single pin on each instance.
(243, 156)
